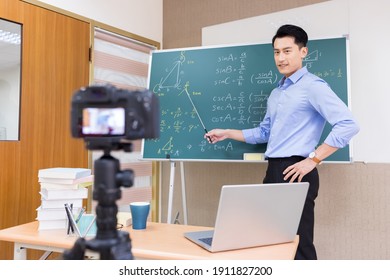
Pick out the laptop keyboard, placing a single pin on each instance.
(207, 240)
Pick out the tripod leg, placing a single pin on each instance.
(77, 252)
(122, 250)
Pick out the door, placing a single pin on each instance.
(55, 63)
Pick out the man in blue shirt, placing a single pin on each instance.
(297, 111)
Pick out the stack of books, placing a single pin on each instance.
(60, 186)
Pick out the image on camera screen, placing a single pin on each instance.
(103, 121)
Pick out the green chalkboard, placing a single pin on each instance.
(229, 87)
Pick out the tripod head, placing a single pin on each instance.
(107, 119)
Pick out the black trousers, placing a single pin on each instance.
(274, 174)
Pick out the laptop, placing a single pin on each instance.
(254, 215)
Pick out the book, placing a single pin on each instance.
(52, 224)
(82, 180)
(64, 173)
(54, 213)
(124, 218)
(64, 194)
(58, 203)
(56, 186)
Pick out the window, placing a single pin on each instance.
(124, 62)
(10, 70)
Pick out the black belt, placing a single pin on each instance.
(288, 159)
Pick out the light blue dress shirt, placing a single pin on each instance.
(297, 111)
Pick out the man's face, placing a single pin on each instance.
(288, 56)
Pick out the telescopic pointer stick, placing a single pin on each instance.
(196, 111)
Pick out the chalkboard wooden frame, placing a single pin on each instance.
(227, 87)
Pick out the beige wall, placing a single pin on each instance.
(140, 17)
(351, 210)
(183, 19)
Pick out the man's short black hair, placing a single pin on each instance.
(289, 30)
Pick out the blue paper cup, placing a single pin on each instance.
(139, 214)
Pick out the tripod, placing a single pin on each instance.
(109, 242)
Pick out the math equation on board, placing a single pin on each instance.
(200, 89)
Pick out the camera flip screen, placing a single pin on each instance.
(103, 121)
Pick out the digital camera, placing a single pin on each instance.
(104, 113)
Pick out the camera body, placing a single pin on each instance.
(105, 115)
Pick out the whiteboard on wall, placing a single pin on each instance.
(361, 22)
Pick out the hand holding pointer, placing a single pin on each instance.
(217, 135)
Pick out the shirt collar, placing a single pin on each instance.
(294, 77)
